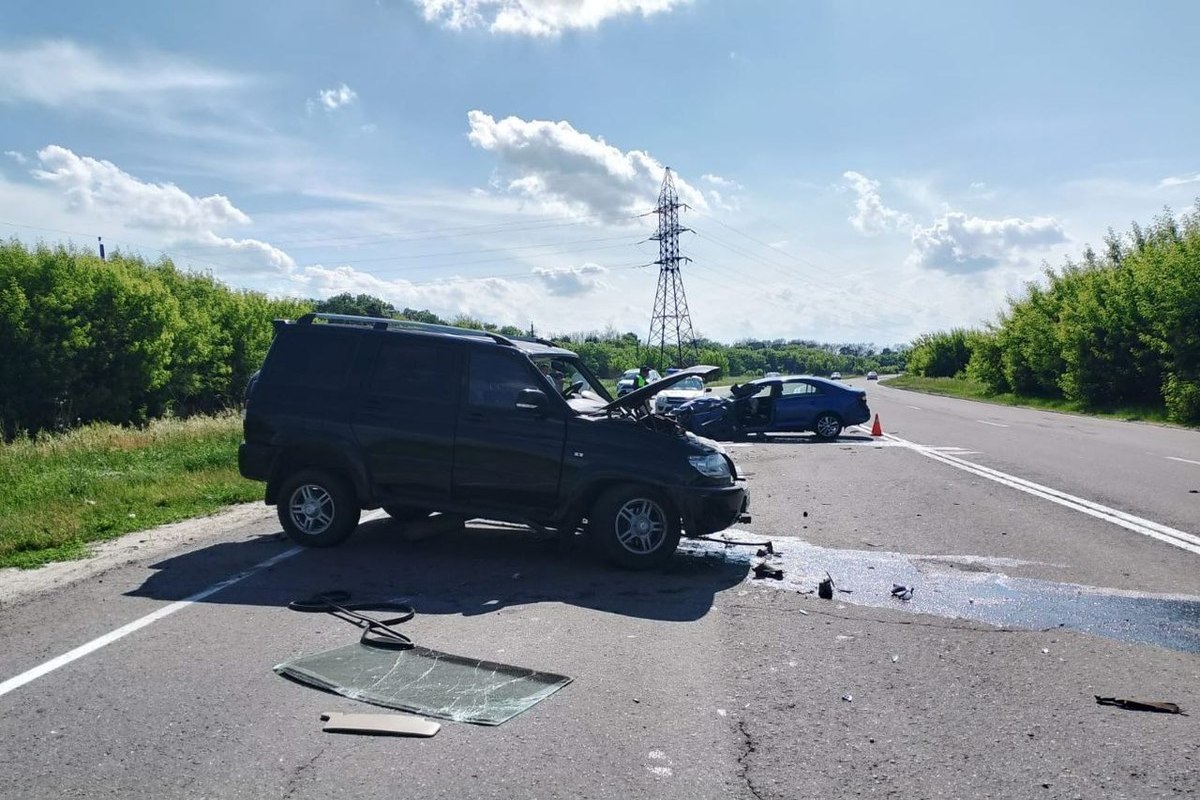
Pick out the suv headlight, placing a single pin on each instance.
(712, 465)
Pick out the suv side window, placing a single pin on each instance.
(413, 370)
(313, 359)
(495, 378)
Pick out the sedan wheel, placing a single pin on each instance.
(828, 426)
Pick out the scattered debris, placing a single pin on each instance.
(825, 588)
(802, 611)
(765, 570)
(379, 724)
(1139, 705)
(902, 592)
(895, 658)
(849, 698)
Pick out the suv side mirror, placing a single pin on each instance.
(533, 400)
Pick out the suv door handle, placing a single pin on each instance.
(372, 404)
(476, 416)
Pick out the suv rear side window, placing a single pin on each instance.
(312, 358)
(496, 378)
(414, 371)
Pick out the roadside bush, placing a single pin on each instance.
(940, 355)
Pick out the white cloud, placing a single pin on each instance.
(184, 221)
(331, 99)
(16, 156)
(63, 74)
(1178, 180)
(957, 243)
(89, 182)
(571, 281)
(717, 180)
(536, 17)
(568, 171)
(871, 215)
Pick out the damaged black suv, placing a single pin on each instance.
(352, 413)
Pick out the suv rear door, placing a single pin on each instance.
(405, 417)
(506, 456)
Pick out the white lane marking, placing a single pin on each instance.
(1184, 460)
(914, 408)
(123, 631)
(997, 424)
(1154, 530)
(154, 616)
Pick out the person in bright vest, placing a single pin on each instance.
(643, 377)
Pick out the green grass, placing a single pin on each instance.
(63, 491)
(971, 390)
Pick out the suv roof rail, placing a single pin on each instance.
(387, 323)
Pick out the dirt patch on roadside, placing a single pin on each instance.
(18, 586)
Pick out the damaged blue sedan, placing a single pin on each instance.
(787, 404)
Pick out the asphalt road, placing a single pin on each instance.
(695, 682)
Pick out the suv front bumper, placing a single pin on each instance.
(707, 509)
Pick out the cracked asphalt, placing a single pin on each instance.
(696, 682)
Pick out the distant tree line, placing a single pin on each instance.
(121, 340)
(125, 340)
(610, 353)
(1116, 328)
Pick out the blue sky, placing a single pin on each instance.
(857, 171)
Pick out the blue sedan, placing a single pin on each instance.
(792, 403)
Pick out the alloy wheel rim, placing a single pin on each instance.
(311, 509)
(641, 526)
(827, 426)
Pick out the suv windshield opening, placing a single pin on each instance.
(565, 374)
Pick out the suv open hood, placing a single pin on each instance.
(643, 394)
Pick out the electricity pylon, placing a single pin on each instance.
(670, 323)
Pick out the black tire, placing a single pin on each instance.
(635, 527)
(406, 513)
(828, 426)
(317, 508)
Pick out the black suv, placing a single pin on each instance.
(349, 413)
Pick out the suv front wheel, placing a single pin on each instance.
(317, 509)
(634, 526)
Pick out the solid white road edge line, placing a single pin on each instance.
(1184, 460)
(1154, 530)
(154, 616)
(123, 631)
(997, 424)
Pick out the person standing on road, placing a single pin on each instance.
(643, 377)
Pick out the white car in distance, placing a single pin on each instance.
(671, 399)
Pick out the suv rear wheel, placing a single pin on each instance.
(317, 509)
(634, 526)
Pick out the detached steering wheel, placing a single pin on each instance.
(574, 388)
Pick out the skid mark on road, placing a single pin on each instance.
(1155, 530)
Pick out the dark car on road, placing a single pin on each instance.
(351, 413)
(785, 404)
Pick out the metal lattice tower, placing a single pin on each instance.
(670, 323)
